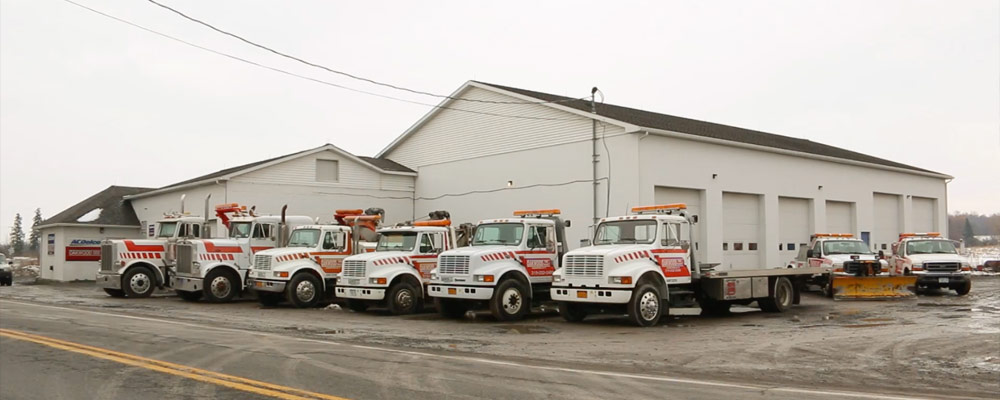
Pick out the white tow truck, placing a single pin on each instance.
(507, 267)
(136, 267)
(845, 256)
(306, 269)
(217, 268)
(933, 260)
(397, 273)
(642, 264)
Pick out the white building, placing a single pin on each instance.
(759, 196)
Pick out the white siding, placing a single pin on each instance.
(55, 267)
(741, 216)
(398, 182)
(793, 226)
(690, 197)
(302, 170)
(152, 208)
(839, 217)
(888, 224)
(320, 201)
(453, 135)
(924, 214)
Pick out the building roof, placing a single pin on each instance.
(648, 119)
(114, 210)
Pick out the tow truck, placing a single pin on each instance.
(216, 268)
(306, 269)
(507, 268)
(642, 264)
(397, 273)
(855, 271)
(933, 260)
(136, 267)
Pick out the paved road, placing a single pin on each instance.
(54, 352)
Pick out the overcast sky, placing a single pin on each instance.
(87, 102)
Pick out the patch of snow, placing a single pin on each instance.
(91, 216)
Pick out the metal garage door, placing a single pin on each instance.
(887, 221)
(741, 231)
(923, 214)
(793, 226)
(839, 217)
(691, 197)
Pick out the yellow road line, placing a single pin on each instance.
(230, 381)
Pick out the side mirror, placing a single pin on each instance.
(809, 253)
(881, 255)
(686, 245)
(567, 223)
(694, 219)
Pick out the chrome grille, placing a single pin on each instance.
(354, 268)
(942, 267)
(185, 257)
(458, 265)
(584, 265)
(262, 261)
(107, 257)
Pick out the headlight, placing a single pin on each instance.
(434, 276)
(376, 281)
(482, 278)
(918, 267)
(557, 278)
(620, 280)
(195, 266)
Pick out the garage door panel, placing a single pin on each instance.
(670, 195)
(923, 214)
(887, 223)
(839, 217)
(793, 226)
(741, 219)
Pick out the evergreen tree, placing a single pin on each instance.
(17, 236)
(968, 234)
(35, 238)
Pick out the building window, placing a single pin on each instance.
(781, 246)
(791, 246)
(883, 246)
(327, 171)
(752, 246)
(725, 246)
(737, 246)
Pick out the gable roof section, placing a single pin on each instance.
(115, 211)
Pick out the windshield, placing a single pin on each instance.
(239, 230)
(506, 234)
(397, 241)
(845, 247)
(304, 238)
(626, 232)
(930, 247)
(167, 229)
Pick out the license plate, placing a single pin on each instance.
(258, 284)
(353, 281)
(452, 291)
(581, 294)
(352, 292)
(942, 280)
(446, 279)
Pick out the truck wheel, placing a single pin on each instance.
(304, 290)
(510, 301)
(357, 305)
(572, 312)
(268, 299)
(403, 298)
(221, 285)
(646, 307)
(139, 282)
(189, 296)
(450, 308)
(118, 293)
(781, 297)
(828, 287)
(964, 289)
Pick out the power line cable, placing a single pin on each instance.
(281, 71)
(342, 73)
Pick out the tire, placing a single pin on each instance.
(572, 312)
(510, 301)
(780, 298)
(221, 285)
(268, 299)
(828, 287)
(961, 290)
(139, 282)
(357, 305)
(304, 290)
(189, 296)
(646, 306)
(116, 293)
(449, 308)
(403, 298)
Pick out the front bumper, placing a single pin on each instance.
(942, 280)
(361, 292)
(266, 285)
(591, 295)
(468, 292)
(187, 283)
(109, 280)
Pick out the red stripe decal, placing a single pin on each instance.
(212, 248)
(131, 246)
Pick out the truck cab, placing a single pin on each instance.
(305, 270)
(216, 269)
(507, 267)
(843, 254)
(934, 260)
(396, 275)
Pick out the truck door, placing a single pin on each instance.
(333, 249)
(674, 255)
(540, 258)
(431, 244)
(262, 237)
(817, 259)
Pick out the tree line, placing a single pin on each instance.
(967, 225)
(16, 244)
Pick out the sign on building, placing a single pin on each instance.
(83, 250)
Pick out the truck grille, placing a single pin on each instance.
(457, 265)
(584, 265)
(861, 268)
(262, 261)
(942, 267)
(107, 257)
(354, 268)
(185, 257)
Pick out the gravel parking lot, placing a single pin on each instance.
(938, 344)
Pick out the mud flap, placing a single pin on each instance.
(874, 287)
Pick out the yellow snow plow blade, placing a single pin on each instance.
(874, 287)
